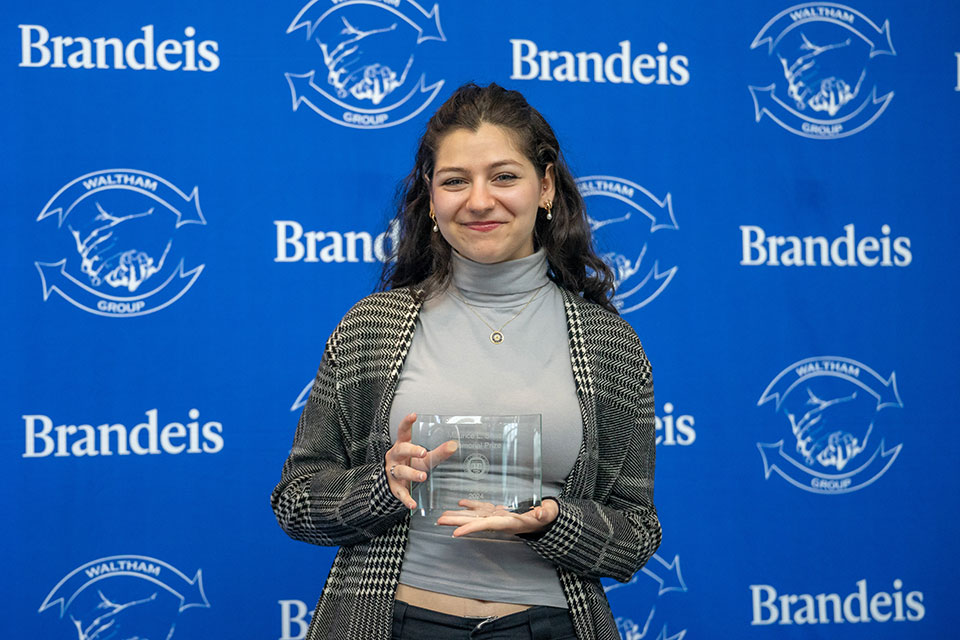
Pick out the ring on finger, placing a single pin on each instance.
(392, 467)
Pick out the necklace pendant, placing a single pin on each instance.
(496, 337)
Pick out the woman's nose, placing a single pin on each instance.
(480, 199)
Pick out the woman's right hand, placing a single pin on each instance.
(406, 462)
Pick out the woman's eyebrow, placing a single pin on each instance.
(494, 165)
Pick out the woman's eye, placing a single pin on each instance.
(453, 182)
(505, 177)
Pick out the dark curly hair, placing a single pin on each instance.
(423, 257)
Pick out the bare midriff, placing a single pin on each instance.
(456, 605)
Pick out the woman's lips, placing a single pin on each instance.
(483, 226)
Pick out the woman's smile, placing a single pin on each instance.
(483, 226)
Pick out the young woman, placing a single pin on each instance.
(496, 305)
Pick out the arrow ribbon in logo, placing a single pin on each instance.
(185, 207)
(189, 591)
(660, 213)
(766, 102)
(841, 15)
(426, 24)
(302, 88)
(885, 391)
(55, 278)
(665, 574)
(804, 478)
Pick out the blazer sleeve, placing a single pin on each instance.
(613, 539)
(322, 498)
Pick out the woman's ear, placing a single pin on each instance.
(548, 183)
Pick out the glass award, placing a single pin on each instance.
(497, 461)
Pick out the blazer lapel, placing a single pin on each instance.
(406, 329)
(583, 478)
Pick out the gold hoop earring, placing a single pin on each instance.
(433, 217)
(548, 205)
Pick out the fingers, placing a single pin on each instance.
(465, 530)
(405, 429)
(404, 473)
(461, 518)
(475, 504)
(483, 516)
(399, 477)
(403, 495)
(397, 462)
(482, 512)
(441, 453)
(463, 515)
(512, 523)
(458, 521)
(404, 452)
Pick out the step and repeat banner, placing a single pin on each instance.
(200, 190)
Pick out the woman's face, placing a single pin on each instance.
(485, 194)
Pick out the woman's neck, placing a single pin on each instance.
(501, 283)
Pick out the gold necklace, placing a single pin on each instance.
(496, 337)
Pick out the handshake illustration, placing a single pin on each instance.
(367, 64)
(822, 433)
(105, 258)
(818, 76)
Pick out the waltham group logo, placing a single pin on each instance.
(667, 578)
(125, 598)
(830, 404)
(821, 52)
(369, 78)
(624, 221)
(115, 234)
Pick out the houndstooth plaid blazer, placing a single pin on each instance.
(334, 491)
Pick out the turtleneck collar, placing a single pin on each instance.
(499, 283)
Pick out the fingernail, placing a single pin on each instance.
(452, 447)
(423, 476)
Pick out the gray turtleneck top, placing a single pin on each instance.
(454, 368)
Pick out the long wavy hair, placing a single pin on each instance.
(423, 257)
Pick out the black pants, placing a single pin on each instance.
(535, 623)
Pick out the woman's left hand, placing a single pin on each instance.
(485, 516)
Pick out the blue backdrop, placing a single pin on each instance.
(200, 190)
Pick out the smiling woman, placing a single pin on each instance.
(496, 305)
